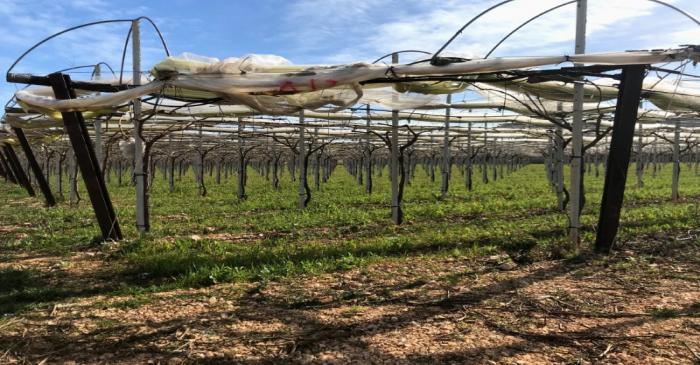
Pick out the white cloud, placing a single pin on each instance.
(363, 29)
(22, 25)
(340, 31)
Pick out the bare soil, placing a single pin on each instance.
(640, 305)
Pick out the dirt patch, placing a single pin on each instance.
(640, 305)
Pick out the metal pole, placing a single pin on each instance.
(558, 163)
(396, 213)
(73, 197)
(198, 165)
(446, 151)
(484, 158)
(302, 165)
(468, 173)
(368, 157)
(676, 160)
(141, 218)
(559, 167)
(241, 161)
(577, 131)
(98, 126)
(317, 165)
(640, 161)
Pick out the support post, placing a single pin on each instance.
(198, 163)
(98, 124)
(676, 160)
(368, 156)
(484, 162)
(3, 170)
(317, 165)
(38, 174)
(73, 197)
(87, 161)
(396, 211)
(302, 165)
(559, 167)
(142, 221)
(445, 187)
(241, 162)
(468, 173)
(619, 156)
(577, 132)
(17, 169)
(9, 173)
(640, 161)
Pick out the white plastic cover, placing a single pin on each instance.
(272, 85)
(128, 148)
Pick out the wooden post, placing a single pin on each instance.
(17, 169)
(85, 154)
(39, 175)
(3, 171)
(9, 173)
(619, 156)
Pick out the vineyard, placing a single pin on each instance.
(221, 280)
(449, 205)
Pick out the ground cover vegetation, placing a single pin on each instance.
(481, 275)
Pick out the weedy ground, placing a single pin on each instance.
(484, 276)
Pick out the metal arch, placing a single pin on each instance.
(56, 35)
(472, 20)
(158, 32)
(436, 54)
(397, 52)
(526, 23)
(677, 9)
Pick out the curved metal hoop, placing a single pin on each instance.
(472, 20)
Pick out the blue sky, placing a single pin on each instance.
(325, 31)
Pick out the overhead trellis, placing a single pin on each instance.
(263, 107)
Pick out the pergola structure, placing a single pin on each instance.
(266, 110)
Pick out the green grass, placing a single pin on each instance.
(205, 240)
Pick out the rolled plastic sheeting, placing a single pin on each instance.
(431, 87)
(93, 102)
(389, 98)
(31, 122)
(672, 98)
(272, 85)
